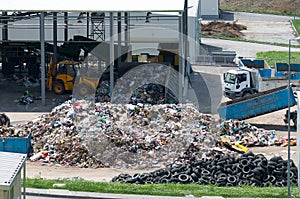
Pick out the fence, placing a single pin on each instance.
(215, 60)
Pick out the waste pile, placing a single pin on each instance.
(142, 135)
(147, 94)
(56, 141)
(248, 135)
(4, 120)
(87, 134)
(102, 92)
(221, 170)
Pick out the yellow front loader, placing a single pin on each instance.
(61, 78)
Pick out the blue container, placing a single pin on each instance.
(16, 144)
(281, 67)
(280, 74)
(265, 72)
(257, 63)
(295, 67)
(295, 76)
(257, 104)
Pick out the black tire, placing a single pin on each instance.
(247, 94)
(84, 90)
(59, 87)
(295, 122)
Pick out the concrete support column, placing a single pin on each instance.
(111, 53)
(66, 26)
(42, 39)
(55, 37)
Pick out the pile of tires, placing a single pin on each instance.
(222, 170)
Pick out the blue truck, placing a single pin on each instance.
(257, 104)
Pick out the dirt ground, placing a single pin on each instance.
(226, 29)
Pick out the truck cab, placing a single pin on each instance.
(237, 83)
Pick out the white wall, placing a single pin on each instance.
(210, 9)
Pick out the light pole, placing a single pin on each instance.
(289, 118)
(294, 9)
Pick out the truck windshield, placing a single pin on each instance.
(230, 78)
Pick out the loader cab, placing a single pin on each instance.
(62, 77)
(68, 69)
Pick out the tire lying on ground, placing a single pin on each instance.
(221, 170)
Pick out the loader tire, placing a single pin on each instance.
(84, 90)
(59, 87)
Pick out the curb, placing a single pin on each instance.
(294, 29)
(58, 193)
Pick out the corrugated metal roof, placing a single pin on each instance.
(93, 5)
(10, 166)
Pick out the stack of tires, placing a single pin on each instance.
(222, 170)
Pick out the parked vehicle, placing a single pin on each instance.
(253, 78)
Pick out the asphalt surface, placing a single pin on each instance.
(260, 27)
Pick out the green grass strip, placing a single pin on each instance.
(166, 189)
(273, 57)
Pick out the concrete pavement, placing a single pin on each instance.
(60, 193)
(260, 27)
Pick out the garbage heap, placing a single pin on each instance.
(241, 132)
(56, 141)
(143, 135)
(149, 93)
(221, 170)
(85, 134)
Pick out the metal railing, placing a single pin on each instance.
(215, 60)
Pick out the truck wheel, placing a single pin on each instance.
(59, 87)
(295, 122)
(246, 94)
(84, 90)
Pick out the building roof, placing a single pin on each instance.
(10, 166)
(93, 5)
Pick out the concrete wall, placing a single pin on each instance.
(209, 9)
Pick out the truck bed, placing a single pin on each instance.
(257, 104)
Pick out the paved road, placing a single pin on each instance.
(260, 27)
(39, 197)
(86, 195)
(265, 27)
(245, 49)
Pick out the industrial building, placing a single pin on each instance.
(33, 34)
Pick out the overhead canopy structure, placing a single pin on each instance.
(113, 6)
(93, 5)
